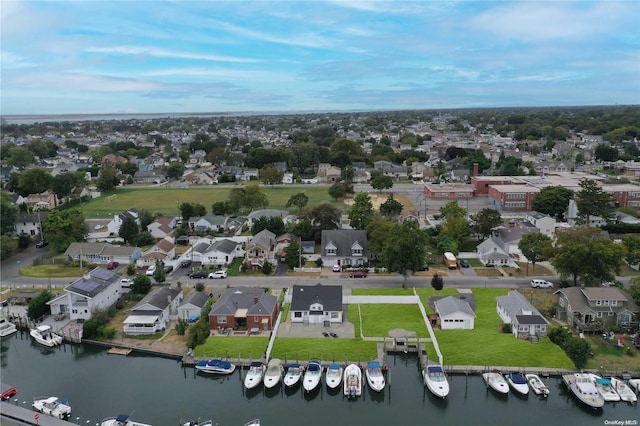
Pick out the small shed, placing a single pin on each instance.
(455, 314)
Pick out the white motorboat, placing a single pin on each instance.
(374, 375)
(537, 385)
(203, 423)
(45, 336)
(215, 366)
(294, 374)
(623, 389)
(121, 420)
(273, 375)
(435, 380)
(352, 381)
(583, 387)
(254, 375)
(496, 381)
(333, 375)
(635, 384)
(605, 388)
(518, 383)
(312, 376)
(254, 422)
(52, 406)
(7, 327)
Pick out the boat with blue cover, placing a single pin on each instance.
(216, 366)
(518, 383)
(374, 375)
(436, 380)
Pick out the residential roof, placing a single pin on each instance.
(268, 213)
(303, 296)
(237, 298)
(343, 240)
(195, 298)
(159, 299)
(224, 246)
(514, 303)
(451, 305)
(531, 319)
(97, 281)
(264, 238)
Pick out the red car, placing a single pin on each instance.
(112, 265)
(358, 274)
(8, 392)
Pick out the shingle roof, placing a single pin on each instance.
(244, 298)
(195, 298)
(303, 296)
(449, 305)
(343, 240)
(514, 303)
(158, 299)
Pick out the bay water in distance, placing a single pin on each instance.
(162, 392)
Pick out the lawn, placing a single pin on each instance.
(54, 271)
(378, 319)
(487, 272)
(324, 348)
(167, 200)
(233, 347)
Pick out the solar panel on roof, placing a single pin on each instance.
(103, 274)
(86, 285)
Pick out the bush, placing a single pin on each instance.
(200, 287)
(267, 268)
(559, 335)
(506, 328)
(319, 263)
(615, 329)
(108, 333)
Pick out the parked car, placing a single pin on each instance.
(464, 263)
(42, 243)
(336, 268)
(198, 274)
(185, 263)
(358, 274)
(218, 274)
(536, 283)
(168, 268)
(112, 265)
(151, 270)
(126, 282)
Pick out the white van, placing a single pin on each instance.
(150, 270)
(535, 283)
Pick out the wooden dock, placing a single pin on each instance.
(119, 351)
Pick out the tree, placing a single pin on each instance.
(578, 351)
(19, 157)
(38, 305)
(300, 200)
(391, 208)
(593, 201)
(485, 220)
(254, 197)
(181, 327)
(303, 156)
(378, 231)
(382, 182)
(337, 191)
(146, 218)
(63, 183)
(535, 247)
(129, 230)
(405, 250)
(632, 245)
(478, 157)
(293, 254)
(175, 170)
(34, 181)
(7, 246)
(274, 224)
(361, 213)
(452, 208)
(141, 284)
(457, 228)
(303, 228)
(159, 274)
(605, 152)
(221, 208)
(437, 282)
(187, 210)
(325, 216)
(108, 179)
(8, 213)
(269, 175)
(552, 201)
(440, 170)
(63, 227)
(634, 289)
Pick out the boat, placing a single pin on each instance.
(623, 389)
(254, 375)
(583, 387)
(374, 375)
(215, 366)
(496, 381)
(294, 374)
(43, 335)
(333, 375)
(273, 375)
(121, 420)
(7, 327)
(352, 381)
(52, 406)
(605, 388)
(436, 380)
(204, 423)
(518, 383)
(254, 422)
(635, 384)
(537, 385)
(312, 376)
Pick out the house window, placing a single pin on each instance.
(599, 314)
(297, 314)
(255, 319)
(606, 303)
(334, 315)
(610, 313)
(330, 252)
(598, 302)
(356, 252)
(614, 303)
(222, 319)
(562, 302)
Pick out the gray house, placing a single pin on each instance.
(454, 313)
(191, 308)
(154, 312)
(526, 322)
(317, 304)
(345, 247)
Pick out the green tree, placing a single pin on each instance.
(606, 152)
(440, 170)
(274, 224)
(19, 157)
(456, 227)
(221, 208)
(593, 201)
(187, 210)
(405, 250)
(63, 183)
(325, 216)
(108, 179)
(269, 175)
(382, 182)
(63, 227)
(181, 327)
(144, 238)
(304, 156)
(300, 200)
(38, 305)
(478, 157)
(303, 228)
(536, 247)
(378, 231)
(634, 289)
(632, 246)
(337, 191)
(361, 213)
(34, 181)
(175, 170)
(8, 213)
(485, 221)
(391, 208)
(7, 246)
(452, 208)
(293, 255)
(255, 198)
(578, 351)
(129, 229)
(159, 275)
(141, 284)
(437, 282)
(552, 201)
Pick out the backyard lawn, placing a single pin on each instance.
(232, 347)
(377, 319)
(325, 349)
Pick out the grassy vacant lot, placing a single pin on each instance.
(377, 320)
(54, 271)
(609, 357)
(233, 347)
(324, 349)
(167, 200)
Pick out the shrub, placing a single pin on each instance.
(615, 329)
(319, 263)
(559, 335)
(181, 327)
(200, 287)
(506, 328)
(108, 333)
(267, 268)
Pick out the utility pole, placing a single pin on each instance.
(300, 252)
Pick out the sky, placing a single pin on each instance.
(101, 57)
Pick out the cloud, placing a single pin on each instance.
(163, 53)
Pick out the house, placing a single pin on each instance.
(501, 248)
(102, 253)
(328, 173)
(98, 290)
(454, 313)
(545, 223)
(344, 247)
(308, 247)
(591, 309)
(47, 200)
(31, 224)
(244, 308)
(192, 305)
(163, 250)
(490, 252)
(316, 304)
(221, 252)
(261, 249)
(114, 226)
(526, 322)
(154, 312)
(257, 214)
(162, 226)
(207, 223)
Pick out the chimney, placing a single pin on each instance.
(475, 169)
(255, 300)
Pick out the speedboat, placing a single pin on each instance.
(496, 381)
(312, 376)
(537, 385)
(635, 384)
(375, 378)
(436, 380)
(583, 387)
(254, 375)
(333, 375)
(7, 327)
(294, 374)
(352, 381)
(254, 422)
(623, 389)
(203, 423)
(215, 366)
(273, 375)
(121, 420)
(605, 388)
(52, 406)
(518, 383)
(43, 335)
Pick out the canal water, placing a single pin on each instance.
(161, 392)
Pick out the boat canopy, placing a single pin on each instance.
(603, 381)
(43, 328)
(334, 366)
(374, 364)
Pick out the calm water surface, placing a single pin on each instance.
(161, 392)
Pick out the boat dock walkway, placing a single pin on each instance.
(14, 415)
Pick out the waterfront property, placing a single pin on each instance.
(244, 308)
(317, 304)
(454, 313)
(526, 322)
(153, 313)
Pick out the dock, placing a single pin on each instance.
(119, 351)
(11, 414)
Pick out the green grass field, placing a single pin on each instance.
(299, 349)
(166, 201)
(232, 347)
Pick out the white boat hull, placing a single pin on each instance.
(45, 336)
(626, 393)
(606, 389)
(520, 388)
(312, 376)
(333, 376)
(352, 381)
(537, 385)
(496, 382)
(436, 381)
(293, 376)
(583, 388)
(254, 375)
(273, 375)
(375, 378)
(52, 406)
(635, 384)
(7, 328)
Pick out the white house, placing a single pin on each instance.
(454, 313)
(316, 304)
(221, 252)
(114, 226)
(191, 308)
(99, 289)
(31, 224)
(163, 250)
(526, 322)
(162, 226)
(154, 312)
(545, 223)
